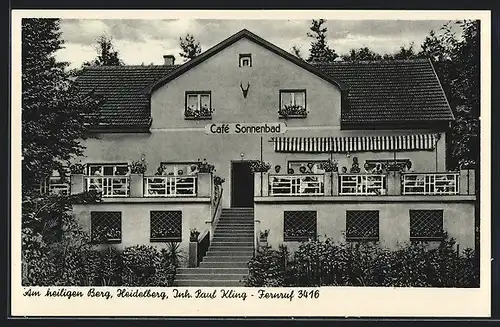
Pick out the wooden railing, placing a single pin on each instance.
(109, 186)
(296, 185)
(430, 183)
(362, 184)
(170, 186)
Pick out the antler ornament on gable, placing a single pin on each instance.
(245, 91)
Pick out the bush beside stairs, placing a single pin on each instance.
(231, 248)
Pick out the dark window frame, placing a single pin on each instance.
(243, 56)
(353, 238)
(93, 240)
(163, 239)
(437, 238)
(287, 238)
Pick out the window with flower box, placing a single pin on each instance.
(362, 225)
(166, 226)
(300, 225)
(292, 104)
(198, 105)
(426, 225)
(106, 227)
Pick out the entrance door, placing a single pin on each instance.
(242, 184)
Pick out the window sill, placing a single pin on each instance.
(292, 116)
(427, 239)
(165, 239)
(198, 118)
(360, 238)
(110, 241)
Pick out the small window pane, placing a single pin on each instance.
(109, 171)
(192, 101)
(205, 101)
(300, 99)
(96, 170)
(286, 99)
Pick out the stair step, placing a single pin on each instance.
(230, 248)
(219, 264)
(227, 258)
(235, 253)
(237, 277)
(232, 238)
(235, 228)
(212, 271)
(209, 283)
(233, 231)
(233, 244)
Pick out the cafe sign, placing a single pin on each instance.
(245, 128)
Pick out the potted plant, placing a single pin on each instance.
(138, 167)
(202, 113)
(204, 167)
(259, 166)
(77, 169)
(193, 235)
(330, 166)
(263, 236)
(292, 111)
(219, 180)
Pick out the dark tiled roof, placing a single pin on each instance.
(390, 91)
(125, 104)
(377, 92)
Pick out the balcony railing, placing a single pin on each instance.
(109, 186)
(296, 185)
(170, 186)
(430, 184)
(360, 184)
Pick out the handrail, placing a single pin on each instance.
(217, 205)
(362, 184)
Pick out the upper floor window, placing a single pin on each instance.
(198, 105)
(108, 169)
(245, 60)
(293, 103)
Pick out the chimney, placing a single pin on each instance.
(169, 60)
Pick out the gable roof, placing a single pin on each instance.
(376, 92)
(125, 105)
(390, 91)
(233, 39)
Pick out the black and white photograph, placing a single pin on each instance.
(201, 155)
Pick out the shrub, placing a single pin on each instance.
(319, 263)
(139, 265)
(258, 166)
(266, 269)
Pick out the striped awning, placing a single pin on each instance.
(356, 143)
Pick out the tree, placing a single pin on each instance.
(54, 117)
(106, 53)
(296, 52)
(361, 54)
(320, 51)
(403, 53)
(190, 47)
(54, 112)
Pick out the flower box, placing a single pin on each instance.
(292, 111)
(201, 114)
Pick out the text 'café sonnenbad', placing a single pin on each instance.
(247, 138)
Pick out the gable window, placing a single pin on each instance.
(198, 105)
(293, 103)
(245, 60)
(362, 225)
(105, 227)
(426, 225)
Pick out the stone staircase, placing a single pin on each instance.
(226, 262)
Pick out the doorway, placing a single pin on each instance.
(242, 184)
